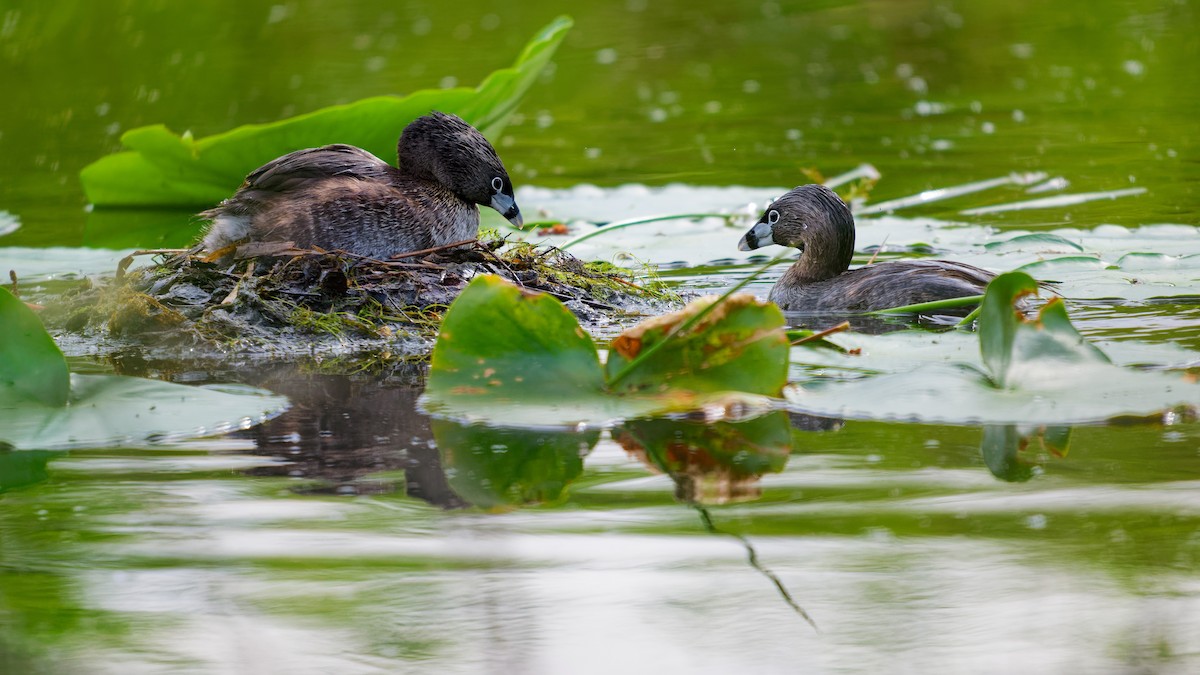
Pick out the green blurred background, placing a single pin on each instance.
(736, 92)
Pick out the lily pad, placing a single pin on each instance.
(1039, 372)
(516, 358)
(739, 344)
(114, 410)
(1041, 242)
(161, 168)
(31, 365)
(8, 223)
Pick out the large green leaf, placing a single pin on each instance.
(515, 358)
(504, 344)
(161, 168)
(748, 353)
(31, 365)
(112, 410)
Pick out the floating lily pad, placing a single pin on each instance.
(161, 168)
(1042, 242)
(40, 264)
(31, 365)
(8, 223)
(738, 345)
(115, 410)
(1039, 373)
(517, 358)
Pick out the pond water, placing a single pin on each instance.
(356, 534)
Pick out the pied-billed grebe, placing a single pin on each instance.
(815, 220)
(343, 197)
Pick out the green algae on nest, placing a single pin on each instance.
(280, 300)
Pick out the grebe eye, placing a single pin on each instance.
(772, 217)
(497, 183)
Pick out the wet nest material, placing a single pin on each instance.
(274, 299)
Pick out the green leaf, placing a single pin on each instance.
(1042, 372)
(31, 365)
(115, 410)
(1015, 350)
(504, 344)
(161, 168)
(515, 358)
(739, 345)
(20, 469)
(493, 467)
(999, 319)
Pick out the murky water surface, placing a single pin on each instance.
(354, 534)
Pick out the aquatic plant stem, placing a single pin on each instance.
(950, 303)
(820, 336)
(691, 321)
(621, 224)
(970, 318)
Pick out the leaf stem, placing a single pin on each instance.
(949, 303)
(820, 336)
(970, 318)
(621, 224)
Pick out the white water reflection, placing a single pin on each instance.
(896, 539)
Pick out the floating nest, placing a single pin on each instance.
(275, 299)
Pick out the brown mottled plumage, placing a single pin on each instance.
(815, 220)
(343, 197)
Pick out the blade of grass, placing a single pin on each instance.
(691, 321)
(621, 224)
(949, 303)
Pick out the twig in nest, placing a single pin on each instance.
(435, 249)
(229, 299)
(127, 260)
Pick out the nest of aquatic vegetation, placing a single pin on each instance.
(277, 299)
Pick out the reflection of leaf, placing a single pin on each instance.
(521, 359)
(1042, 372)
(31, 365)
(1005, 449)
(493, 467)
(161, 168)
(18, 469)
(710, 463)
(111, 410)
